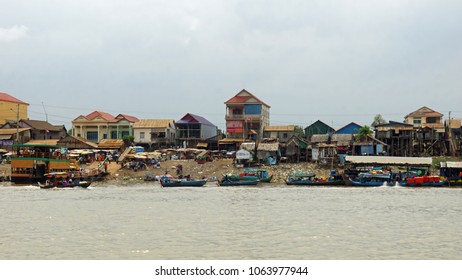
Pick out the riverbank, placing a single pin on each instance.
(217, 168)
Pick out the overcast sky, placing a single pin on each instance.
(336, 61)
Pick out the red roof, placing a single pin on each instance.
(8, 98)
(128, 118)
(108, 117)
(242, 97)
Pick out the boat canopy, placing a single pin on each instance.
(451, 164)
(380, 160)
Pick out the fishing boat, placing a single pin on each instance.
(309, 179)
(260, 174)
(372, 179)
(452, 172)
(31, 163)
(422, 181)
(234, 181)
(184, 182)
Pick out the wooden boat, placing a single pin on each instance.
(233, 181)
(452, 172)
(369, 179)
(309, 179)
(31, 163)
(173, 182)
(82, 184)
(422, 181)
(260, 174)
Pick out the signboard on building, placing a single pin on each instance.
(234, 127)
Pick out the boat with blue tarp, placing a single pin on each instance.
(310, 179)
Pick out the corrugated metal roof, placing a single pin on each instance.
(280, 128)
(11, 131)
(272, 147)
(110, 143)
(153, 123)
(424, 112)
(191, 118)
(389, 160)
(451, 164)
(319, 138)
(48, 142)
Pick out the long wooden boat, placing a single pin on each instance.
(30, 163)
(309, 179)
(368, 179)
(230, 180)
(82, 184)
(172, 182)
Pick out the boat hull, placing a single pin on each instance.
(190, 183)
(312, 183)
(239, 183)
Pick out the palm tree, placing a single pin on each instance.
(364, 132)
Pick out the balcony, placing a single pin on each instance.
(242, 117)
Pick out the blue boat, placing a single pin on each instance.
(172, 182)
(368, 179)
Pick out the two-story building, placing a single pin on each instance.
(244, 113)
(282, 133)
(193, 129)
(155, 134)
(429, 131)
(100, 125)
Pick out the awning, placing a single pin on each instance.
(451, 164)
(202, 145)
(372, 160)
(6, 137)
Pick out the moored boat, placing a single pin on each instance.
(309, 179)
(31, 163)
(422, 181)
(371, 179)
(82, 184)
(261, 174)
(234, 181)
(184, 182)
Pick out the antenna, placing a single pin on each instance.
(46, 115)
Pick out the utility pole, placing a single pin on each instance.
(17, 125)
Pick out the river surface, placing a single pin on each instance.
(270, 222)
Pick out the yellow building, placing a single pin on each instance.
(11, 108)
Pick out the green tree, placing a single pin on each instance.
(299, 131)
(378, 119)
(364, 132)
(129, 140)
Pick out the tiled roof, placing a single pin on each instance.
(127, 117)
(8, 98)
(243, 97)
(153, 123)
(108, 117)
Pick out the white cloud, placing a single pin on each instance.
(13, 33)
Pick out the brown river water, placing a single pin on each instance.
(146, 221)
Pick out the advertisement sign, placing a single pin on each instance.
(234, 127)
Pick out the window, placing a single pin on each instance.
(113, 134)
(141, 135)
(92, 136)
(432, 120)
(285, 135)
(417, 121)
